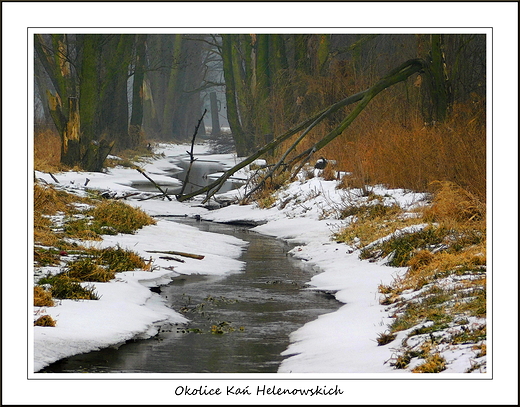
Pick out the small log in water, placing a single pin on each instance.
(193, 256)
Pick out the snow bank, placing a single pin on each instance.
(127, 308)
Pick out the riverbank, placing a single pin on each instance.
(305, 212)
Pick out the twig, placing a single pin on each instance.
(172, 258)
(192, 157)
(154, 183)
(54, 178)
(127, 195)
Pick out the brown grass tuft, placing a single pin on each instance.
(454, 203)
(42, 297)
(45, 320)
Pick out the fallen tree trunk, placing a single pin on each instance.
(397, 75)
(217, 184)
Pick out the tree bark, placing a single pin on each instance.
(439, 82)
(70, 146)
(114, 114)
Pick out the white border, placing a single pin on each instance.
(502, 17)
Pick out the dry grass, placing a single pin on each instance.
(42, 297)
(265, 196)
(88, 270)
(45, 320)
(445, 277)
(50, 201)
(433, 364)
(371, 224)
(47, 151)
(453, 203)
(120, 217)
(389, 143)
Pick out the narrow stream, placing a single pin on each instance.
(240, 323)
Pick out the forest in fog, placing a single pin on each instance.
(96, 94)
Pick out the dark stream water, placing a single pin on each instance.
(240, 323)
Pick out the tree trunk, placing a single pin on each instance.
(439, 82)
(69, 128)
(89, 89)
(232, 111)
(96, 154)
(301, 59)
(114, 115)
(263, 85)
(172, 88)
(215, 123)
(241, 51)
(136, 119)
(322, 54)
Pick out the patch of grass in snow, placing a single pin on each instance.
(51, 202)
(88, 270)
(434, 364)
(115, 216)
(385, 338)
(109, 217)
(46, 257)
(64, 287)
(443, 291)
(58, 218)
(45, 320)
(42, 297)
(102, 264)
(371, 222)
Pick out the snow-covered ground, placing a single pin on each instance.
(340, 342)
